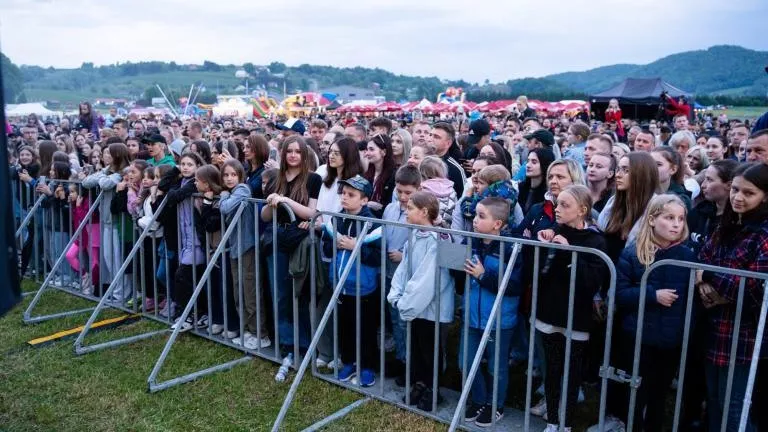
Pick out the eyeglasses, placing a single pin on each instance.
(334, 153)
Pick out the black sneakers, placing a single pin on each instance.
(473, 411)
(484, 418)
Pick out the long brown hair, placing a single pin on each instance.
(299, 191)
(629, 205)
(46, 149)
(211, 175)
(121, 158)
(351, 157)
(259, 148)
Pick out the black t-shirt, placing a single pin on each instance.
(314, 182)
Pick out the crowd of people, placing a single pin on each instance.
(686, 189)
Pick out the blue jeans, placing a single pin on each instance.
(283, 290)
(482, 385)
(717, 379)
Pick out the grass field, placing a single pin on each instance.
(742, 113)
(51, 389)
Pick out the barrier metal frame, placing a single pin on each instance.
(28, 318)
(694, 267)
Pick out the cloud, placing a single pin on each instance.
(497, 40)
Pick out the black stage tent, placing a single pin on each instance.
(638, 97)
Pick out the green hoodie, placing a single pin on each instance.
(167, 159)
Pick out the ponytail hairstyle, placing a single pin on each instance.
(426, 200)
(647, 245)
(581, 194)
(432, 167)
(674, 159)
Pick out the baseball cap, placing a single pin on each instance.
(543, 136)
(154, 138)
(177, 146)
(292, 124)
(360, 183)
(477, 130)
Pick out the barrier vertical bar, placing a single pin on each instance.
(568, 342)
(532, 339)
(755, 359)
(734, 347)
(684, 350)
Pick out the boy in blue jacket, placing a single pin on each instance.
(354, 197)
(483, 269)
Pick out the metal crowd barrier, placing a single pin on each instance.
(693, 268)
(236, 225)
(448, 258)
(49, 235)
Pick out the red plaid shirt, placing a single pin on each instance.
(746, 250)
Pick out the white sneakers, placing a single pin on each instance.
(555, 428)
(251, 342)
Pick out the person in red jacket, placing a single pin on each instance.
(676, 107)
(613, 114)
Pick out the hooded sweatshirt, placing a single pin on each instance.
(415, 296)
(443, 190)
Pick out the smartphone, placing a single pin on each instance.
(475, 259)
(273, 154)
(88, 169)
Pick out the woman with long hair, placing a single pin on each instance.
(88, 119)
(298, 188)
(381, 172)
(533, 188)
(739, 242)
(343, 163)
(671, 173)
(402, 142)
(637, 180)
(107, 180)
(255, 154)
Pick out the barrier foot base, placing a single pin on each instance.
(156, 387)
(41, 318)
(337, 415)
(80, 350)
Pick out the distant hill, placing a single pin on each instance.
(723, 71)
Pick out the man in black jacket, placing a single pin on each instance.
(443, 142)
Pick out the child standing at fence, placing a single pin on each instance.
(574, 227)
(56, 224)
(151, 261)
(491, 216)
(107, 179)
(407, 182)
(415, 295)
(179, 228)
(27, 173)
(662, 235)
(87, 245)
(124, 210)
(242, 252)
(354, 197)
(209, 229)
(433, 174)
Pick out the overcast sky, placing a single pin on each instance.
(474, 39)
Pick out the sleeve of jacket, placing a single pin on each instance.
(398, 283)
(628, 286)
(109, 182)
(178, 195)
(92, 181)
(119, 203)
(370, 251)
(420, 289)
(210, 218)
(231, 202)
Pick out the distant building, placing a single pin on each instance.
(348, 93)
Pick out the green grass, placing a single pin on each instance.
(49, 388)
(742, 112)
